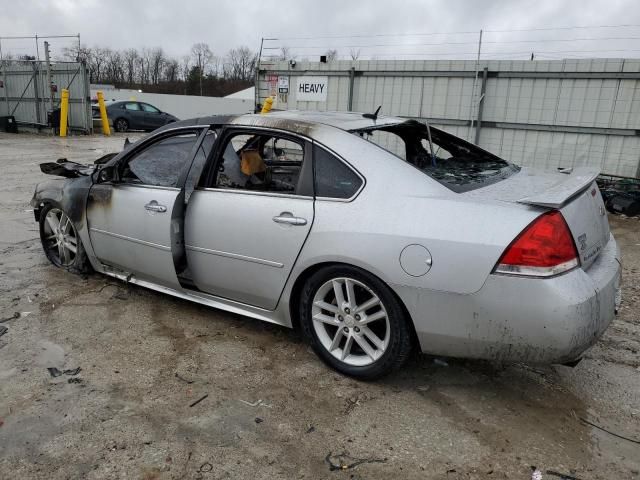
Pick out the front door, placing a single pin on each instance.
(152, 116)
(246, 226)
(136, 224)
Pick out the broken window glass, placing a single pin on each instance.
(161, 163)
(261, 162)
(455, 163)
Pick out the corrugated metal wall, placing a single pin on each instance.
(546, 114)
(25, 93)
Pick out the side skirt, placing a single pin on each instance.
(271, 316)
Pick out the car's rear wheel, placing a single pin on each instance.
(61, 242)
(121, 125)
(354, 322)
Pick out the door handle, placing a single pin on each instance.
(154, 206)
(289, 219)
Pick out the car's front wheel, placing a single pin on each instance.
(354, 322)
(61, 242)
(121, 125)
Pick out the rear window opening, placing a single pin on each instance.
(453, 162)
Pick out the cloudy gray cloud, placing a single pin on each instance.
(175, 26)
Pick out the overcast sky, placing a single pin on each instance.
(176, 25)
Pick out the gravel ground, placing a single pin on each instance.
(272, 410)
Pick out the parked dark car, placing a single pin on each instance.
(132, 115)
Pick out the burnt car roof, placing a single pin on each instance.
(293, 120)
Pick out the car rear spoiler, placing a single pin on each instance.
(556, 196)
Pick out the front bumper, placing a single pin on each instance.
(534, 320)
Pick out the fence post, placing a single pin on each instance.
(352, 75)
(36, 97)
(64, 112)
(103, 114)
(5, 87)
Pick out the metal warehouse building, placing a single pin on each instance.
(535, 113)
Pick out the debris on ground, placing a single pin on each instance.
(12, 317)
(74, 380)
(3, 330)
(205, 467)
(183, 379)
(440, 362)
(258, 403)
(536, 474)
(344, 461)
(633, 440)
(620, 194)
(562, 476)
(352, 402)
(55, 372)
(311, 429)
(259, 420)
(199, 400)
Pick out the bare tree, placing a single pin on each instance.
(130, 57)
(96, 64)
(156, 64)
(285, 54)
(185, 66)
(355, 54)
(202, 56)
(113, 68)
(240, 64)
(332, 54)
(171, 70)
(77, 53)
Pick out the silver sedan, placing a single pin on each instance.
(373, 235)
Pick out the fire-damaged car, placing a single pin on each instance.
(374, 235)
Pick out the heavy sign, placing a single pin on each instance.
(311, 89)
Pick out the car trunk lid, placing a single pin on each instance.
(574, 193)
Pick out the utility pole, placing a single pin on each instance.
(49, 76)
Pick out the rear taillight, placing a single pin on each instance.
(543, 249)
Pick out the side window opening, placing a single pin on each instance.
(456, 164)
(333, 179)
(149, 109)
(132, 106)
(161, 163)
(260, 162)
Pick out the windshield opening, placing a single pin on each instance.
(455, 163)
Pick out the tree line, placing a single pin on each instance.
(200, 72)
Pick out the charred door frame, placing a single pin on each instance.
(120, 160)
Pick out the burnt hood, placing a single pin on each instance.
(68, 169)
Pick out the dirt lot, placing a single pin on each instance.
(273, 410)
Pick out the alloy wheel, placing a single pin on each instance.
(121, 125)
(60, 239)
(350, 321)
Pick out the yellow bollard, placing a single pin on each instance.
(266, 107)
(103, 115)
(64, 112)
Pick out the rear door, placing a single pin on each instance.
(245, 226)
(153, 117)
(136, 224)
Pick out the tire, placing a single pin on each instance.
(62, 256)
(121, 125)
(356, 352)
